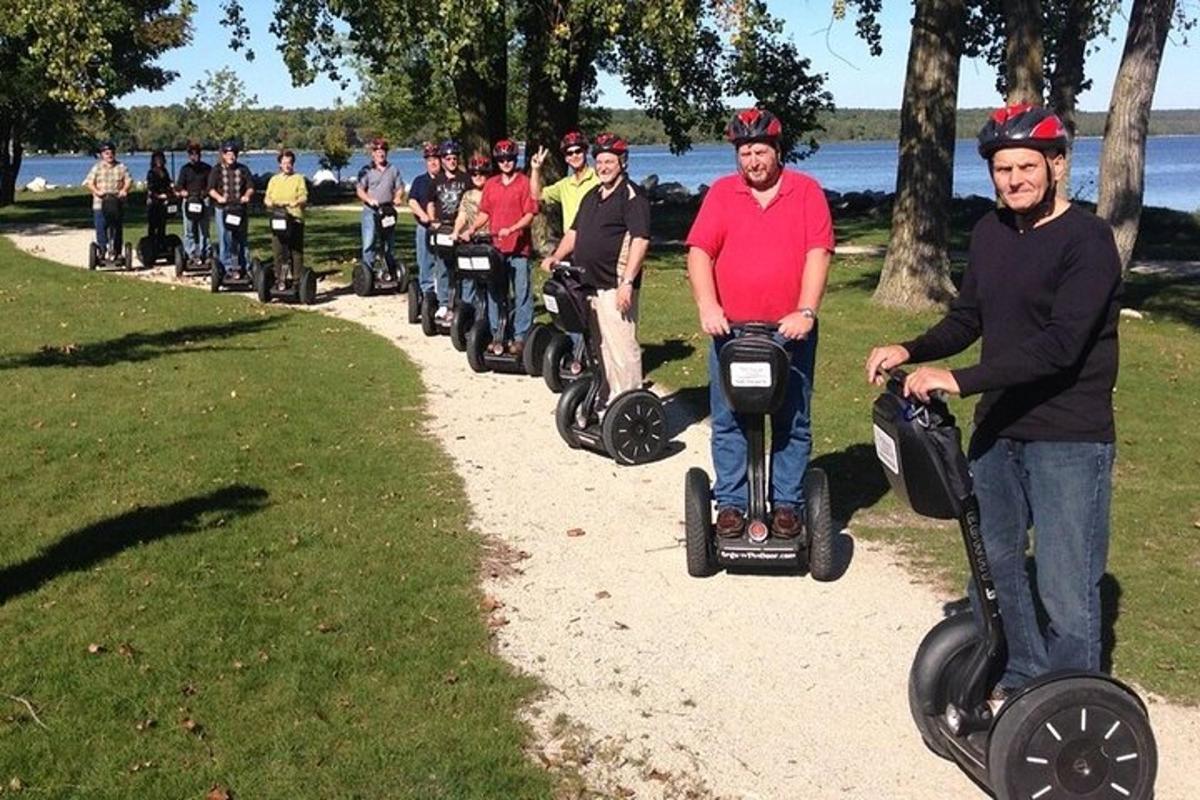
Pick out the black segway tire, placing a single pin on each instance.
(698, 527)
(180, 258)
(402, 278)
(216, 275)
(939, 657)
(1082, 736)
(363, 280)
(263, 278)
(93, 256)
(555, 360)
(566, 411)
(306, 286)
(414, 303)
(429, 307)
(818, 526)
(460, 327)
(129, 256)
(172, 242)
(145, 251)
(532, 357)
(477, 341)
(635, 427)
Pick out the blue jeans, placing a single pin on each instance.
(368, 238)
(1062, 490)
(103, 231)
(791, 432)
(232, 245)
(196, 230)
(522, 304)
(424, 259)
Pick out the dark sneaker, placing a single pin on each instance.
(786, 523)
(516, 348)
(730, 522)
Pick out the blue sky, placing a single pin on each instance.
(855, 78)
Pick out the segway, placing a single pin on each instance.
(392, 276)
(198, 260)
(1070, 734)
(106, 254)
(754, 378)
(633, 427)
(560, 354)
(235, 221)
(441, 246)
(166, 248)
(301, 288)
(480, 262)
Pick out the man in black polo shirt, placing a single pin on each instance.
(1042, 288)
(192, 187)
(609, 239)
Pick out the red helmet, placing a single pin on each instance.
(1023, 125)
(573, 139)
(610, 143)
(479, 165)
(754, 125)
(429, 150)
(504, 149)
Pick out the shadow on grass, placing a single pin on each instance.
(684, 408)
(134, 347)
(856, 481)
(655, 354)
(86, 547)
(1176, 297)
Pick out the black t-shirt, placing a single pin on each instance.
(447, 194)
(193, 178)
(604, 228)
(1047, 304)
(158, 182)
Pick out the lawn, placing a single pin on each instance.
(231, 555)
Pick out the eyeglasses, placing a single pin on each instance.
(505, 159)
(574, 151)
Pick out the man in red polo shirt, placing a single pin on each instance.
(507, 207)
(759, 251)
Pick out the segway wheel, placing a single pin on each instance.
(414, 303)
(1073, 737)
(145, 251)
(129, 256)
(216, 275)
(172, 241)
(477, 341)
(363, 280)
(697, 521)
(93, 256)
(402, 279)
(939, 657)
(534, 353)
(460, 327)
(818, 526)
(555, 360)
(566, 413)
(180, 259)
(307, 286)
(428, 309)
(635, 427)
(263, 278)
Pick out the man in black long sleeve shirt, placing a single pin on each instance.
(1042, 289)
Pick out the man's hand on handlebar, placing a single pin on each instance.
(548, 263)
(884, 358)
(925, 382)
(713, 321)
(795, 325)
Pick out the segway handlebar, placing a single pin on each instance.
(754, 328)
(895, 384)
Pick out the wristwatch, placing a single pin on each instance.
(807, 313)
(626, 282)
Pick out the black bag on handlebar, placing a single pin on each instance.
(235, 218)
(110, 207)
(920, 448)
(565, 296)
(193, 208)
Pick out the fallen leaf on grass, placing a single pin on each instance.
(145, 724)
(573, 532)
(140, 765)
(95, 649)
(191, 726)
(218, 792)
(15, 785)
(450, 677)
(326, 627)
(126, 649)
(490, 604)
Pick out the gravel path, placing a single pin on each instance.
(659, 685)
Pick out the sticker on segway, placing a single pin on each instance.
(387, 221)
(172, 209)
(750, 374)
(551, 303)
(233, 219)
(885, 448)
(279, 224)
(474, 264)
(195, 208)
(443, 240)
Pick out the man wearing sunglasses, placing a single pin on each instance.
(568, 192)
(379, 183)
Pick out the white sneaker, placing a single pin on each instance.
(440, 314)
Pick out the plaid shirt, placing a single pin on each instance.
(107, 179)
(231, 181)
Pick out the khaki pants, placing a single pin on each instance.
(618, 342)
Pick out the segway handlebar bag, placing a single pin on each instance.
(754, 369)
(235, 217)
(920, 448)
(110, 208)
(193, 208)
(477, 259)
(565, 296)
(385, 213)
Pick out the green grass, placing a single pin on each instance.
(239, 506)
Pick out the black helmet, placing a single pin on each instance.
(230, 145)
(107, 145)
(1023, 125)
(754, 125)
(449, 148)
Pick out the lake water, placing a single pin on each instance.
(1172, 167)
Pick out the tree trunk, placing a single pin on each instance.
(11, 152)
(1024, 46)
(547, 114)
(482, 89)
(1123, 159)
(916, 271)
(1067, 79)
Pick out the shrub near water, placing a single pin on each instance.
(230, 555)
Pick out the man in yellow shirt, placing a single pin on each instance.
(288, 191)
(579, 180)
